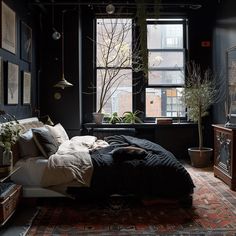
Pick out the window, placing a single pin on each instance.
(166, 45)
(113, 64)
(166, 59)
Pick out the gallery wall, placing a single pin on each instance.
(22, 60)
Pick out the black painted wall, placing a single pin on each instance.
(26, 14)
(224, 37)
(67, 109)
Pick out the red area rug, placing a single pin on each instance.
(213, 213)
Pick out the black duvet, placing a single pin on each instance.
(150, 170)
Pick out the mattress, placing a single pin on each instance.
(29, 176)
(30, 172)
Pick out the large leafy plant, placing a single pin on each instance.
(199, 94)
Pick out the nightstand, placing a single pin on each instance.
(224, 155)
(9, 197)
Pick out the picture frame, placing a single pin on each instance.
(25, 42)
(8, 26)
(26, 88)
(1, 82)
(12, 83)
(231, 81)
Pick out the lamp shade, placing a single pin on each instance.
(63, 83)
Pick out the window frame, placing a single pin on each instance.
(184, 50)
(110, 67)
(139, 98)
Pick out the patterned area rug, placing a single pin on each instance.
(213, 213)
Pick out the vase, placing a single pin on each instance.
(7, 158)
(98, 117)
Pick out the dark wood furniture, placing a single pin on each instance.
(224, 151)
(175, 137)
(10, 200)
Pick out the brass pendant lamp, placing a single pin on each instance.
(63, 83)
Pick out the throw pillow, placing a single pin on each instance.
(27, 145)
(128, 153)
(58, 132)
(45, 141)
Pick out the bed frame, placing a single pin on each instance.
(37, 191)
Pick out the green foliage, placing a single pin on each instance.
(9, 134)
(131, 117)
(114, 118)
(199, 94)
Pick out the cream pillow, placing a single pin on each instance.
(58, 132)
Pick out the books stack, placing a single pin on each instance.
(164, 121)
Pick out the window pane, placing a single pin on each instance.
(165, 77)
(166, 36)
(166, 59)
(114, 42)
(119, 97)
(164, 102)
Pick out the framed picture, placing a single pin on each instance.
(26, 87)
(12, 83)
(8, 23)
(26, 42)
(231, 79)
(1, 82)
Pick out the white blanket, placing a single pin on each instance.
(71, 162)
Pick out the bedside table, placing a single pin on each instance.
(9, 197)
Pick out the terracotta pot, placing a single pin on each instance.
(200, 157)
(98, 117)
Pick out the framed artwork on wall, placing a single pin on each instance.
(1, 82)
(12, 83)
(8, 24)
(26, 88)
(26, 42)
(231, 79)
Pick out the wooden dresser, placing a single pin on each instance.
(225, 154)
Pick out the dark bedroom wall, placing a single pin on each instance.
(65, 110)
(224, 37)
(27, 15)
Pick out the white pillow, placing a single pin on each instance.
(27, 145)
(58, 132)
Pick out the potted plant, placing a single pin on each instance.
(114, 53)
(199, 94)
(9, 134)
(131, 117)
(114, 118)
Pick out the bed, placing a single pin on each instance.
(86, 166)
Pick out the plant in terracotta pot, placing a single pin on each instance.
(199, 94)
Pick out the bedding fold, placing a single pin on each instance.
(71, 162)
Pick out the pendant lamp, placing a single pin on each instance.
(63, 83)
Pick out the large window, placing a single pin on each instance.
(114, 59)
(166, 59)
(166, 45)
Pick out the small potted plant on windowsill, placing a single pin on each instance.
(199, 94)
(131, 117)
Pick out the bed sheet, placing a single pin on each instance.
(31, 171)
